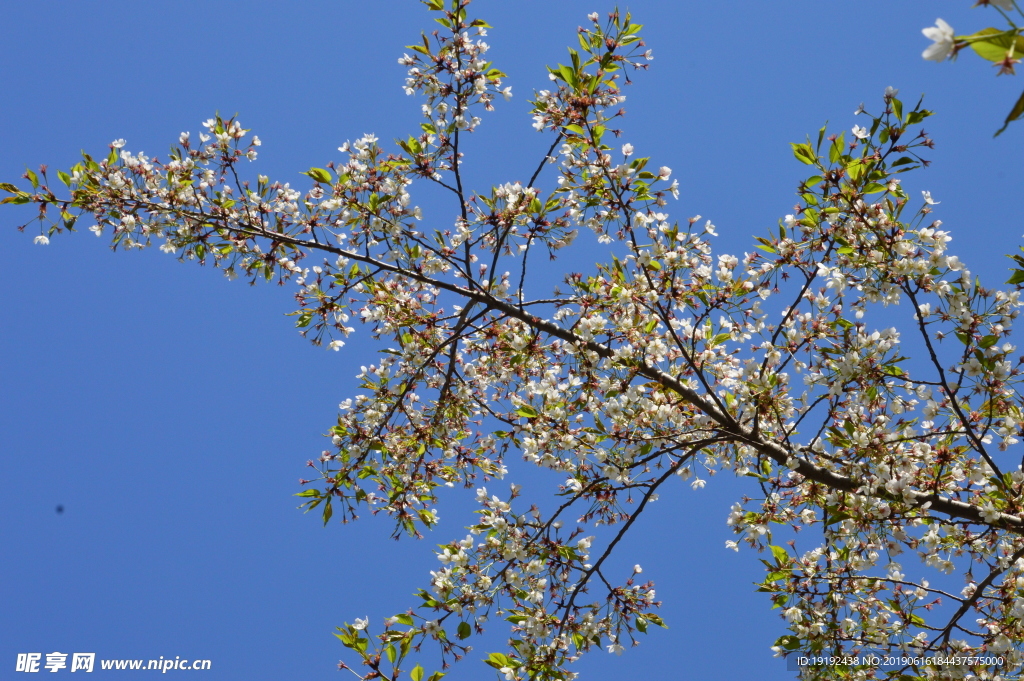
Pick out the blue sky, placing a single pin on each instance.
(170, 412)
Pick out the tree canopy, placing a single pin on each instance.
(788, 365)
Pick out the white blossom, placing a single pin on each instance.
(942, 34)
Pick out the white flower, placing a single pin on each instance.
(698, 483)
(615, 648)
(637, 569)
(860, 132)
(41, 240)
(942, 34)
(335, 345)
(361, 623)
(664, 172)
(928, 198)
(117, 144)
(592, 16)
(891, 92)
(989, 512)
(627, 149)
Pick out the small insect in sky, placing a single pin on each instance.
(60, 508)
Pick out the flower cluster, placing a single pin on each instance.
(1003, 47)
(785, 365)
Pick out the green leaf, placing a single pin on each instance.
(328, 512)
(17, 200)
(656, 619)
(498, 660)
(918, 116)
(568, 75)
(781, 556)
(464, 630)
(857, 168)
(1015, 113)
(308, 493)
(789, 642)
(803, 153)
(319, 174)
(527, 411)
(994, 45)
(835, 152)
(417, 673)
(405, 645)
(988, 341)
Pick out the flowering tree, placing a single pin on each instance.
(1002, 47)
(785, 366)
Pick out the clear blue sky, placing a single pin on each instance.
(170, 412)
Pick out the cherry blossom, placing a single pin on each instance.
(870, 476)
(942, 34)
